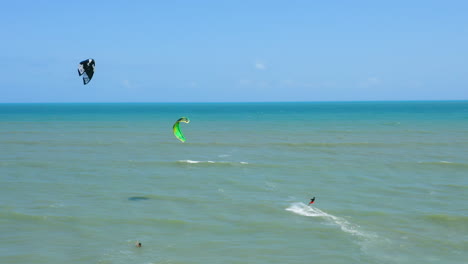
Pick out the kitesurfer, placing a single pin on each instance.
(138, 244)
(312, 201)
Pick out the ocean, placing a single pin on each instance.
(82, 183)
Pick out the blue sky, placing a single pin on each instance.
(234, 51)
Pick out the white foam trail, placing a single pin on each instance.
(370, 243)
(305, 210)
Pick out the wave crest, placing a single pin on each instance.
(210, 162)
(444, 163)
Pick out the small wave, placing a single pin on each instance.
(52, 143)
(303, 209)
(30, 164)
(17, 216)
(436, 162)
(56, 205)
(444, 163)
(334, 144)
(224, 145)
(23, 142)
(51, 205)
(212, 162)
(452, 186)
(195, 161)
(391, 123)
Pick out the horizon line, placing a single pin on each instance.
(241, 102)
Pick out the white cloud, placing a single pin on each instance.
(415, 84)
(245, 82)
(306, 84)
(263, 84)
(126, 84)
(373, 80)
(288, 83)
(260, 66)
(370, 82)
(254, 83)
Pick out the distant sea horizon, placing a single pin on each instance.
(240, 102)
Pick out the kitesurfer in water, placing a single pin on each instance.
(138, 244)
(312, 201)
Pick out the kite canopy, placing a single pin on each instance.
(86, 68)
(177, 132)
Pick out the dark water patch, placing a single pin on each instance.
(138, 198)
(454, 187)
(450, 221)
(160, 197)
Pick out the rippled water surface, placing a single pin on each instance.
(81, 183)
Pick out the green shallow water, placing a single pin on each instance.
(81, 183)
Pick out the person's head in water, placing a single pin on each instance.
(138, 244)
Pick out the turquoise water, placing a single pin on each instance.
(81, 183)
